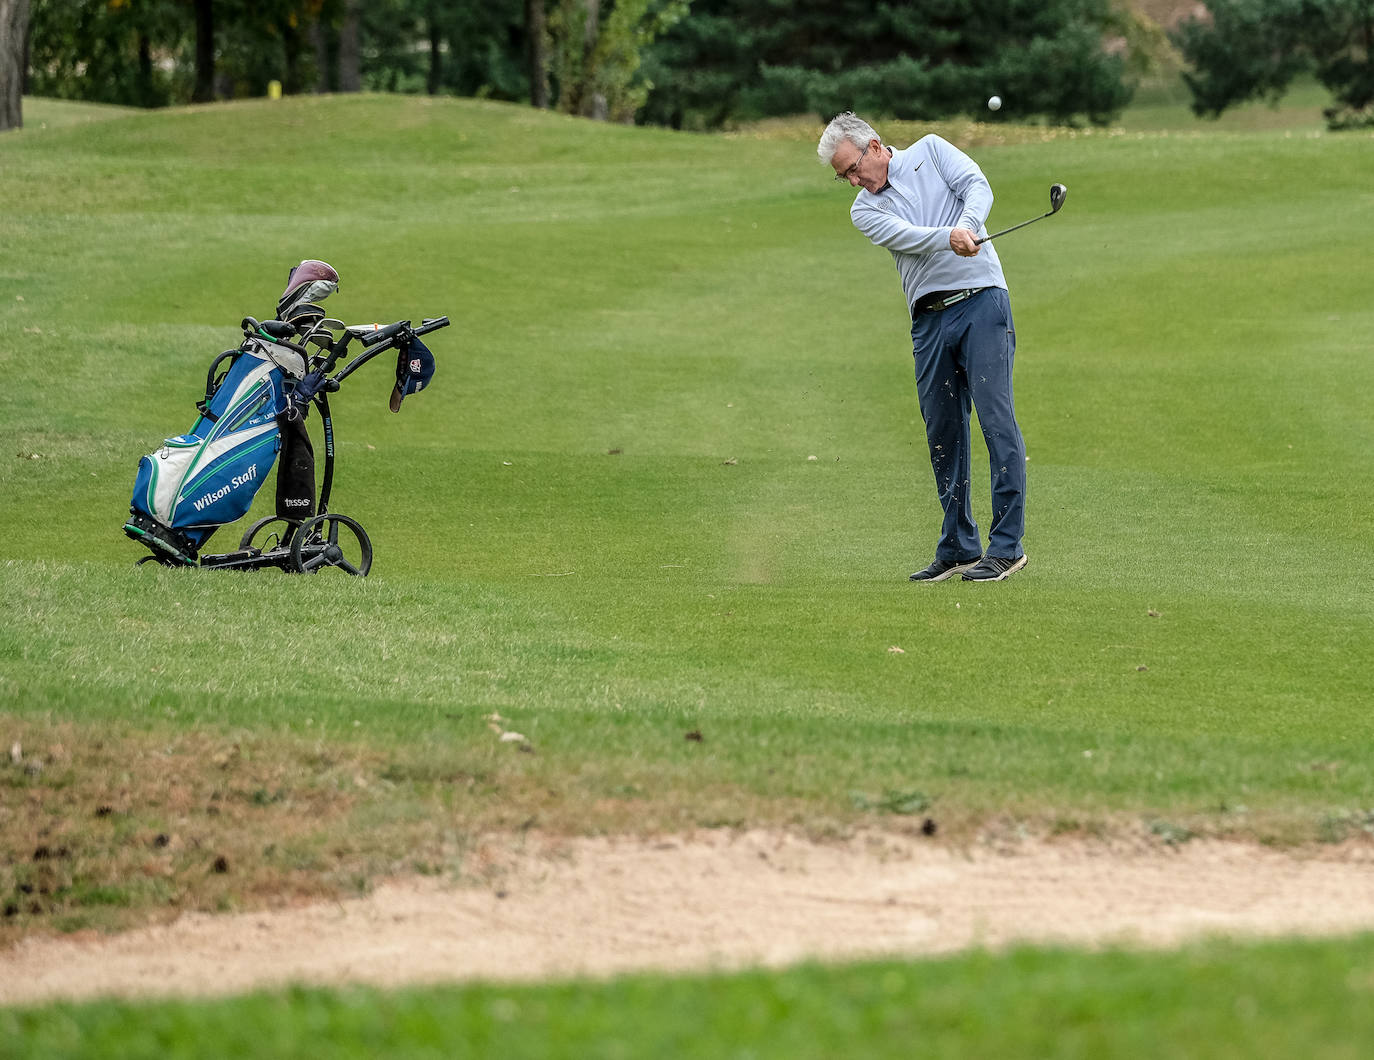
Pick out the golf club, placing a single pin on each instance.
(321, 332)
(1057, 195)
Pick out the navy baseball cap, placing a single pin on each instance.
(414, 370)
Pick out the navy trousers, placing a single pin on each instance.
(963, 361)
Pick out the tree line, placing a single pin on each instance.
(696, 64)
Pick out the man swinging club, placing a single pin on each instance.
(927, 205)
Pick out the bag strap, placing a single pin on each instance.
(212, 384)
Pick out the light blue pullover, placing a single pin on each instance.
(932, 188)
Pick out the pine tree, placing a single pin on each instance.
(753, 58)
(1252, 49)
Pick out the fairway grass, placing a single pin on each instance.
(657, 511)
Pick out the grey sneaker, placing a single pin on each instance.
(943, 568)
(994, 569)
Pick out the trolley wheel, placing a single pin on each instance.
(260, 534)
(318, 543)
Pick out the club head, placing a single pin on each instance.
(320, 331)
(1057, 195)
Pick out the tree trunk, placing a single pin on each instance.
(28, 73)
(14, 26)
(436, 58)
(350, 57)
(146, 96)
(538, 54)
(592, 103)
(591, 29)
(204, 91)
(291, 53)
(322, 36)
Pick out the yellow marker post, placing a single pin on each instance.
(274, 90)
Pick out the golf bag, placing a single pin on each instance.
(200, 480)
(256, 400)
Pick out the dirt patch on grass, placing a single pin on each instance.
(107, 830)
(558, 907)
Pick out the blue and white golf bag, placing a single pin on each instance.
(205, 478)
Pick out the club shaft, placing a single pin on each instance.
(1013, 228)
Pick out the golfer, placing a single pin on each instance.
(927, 205)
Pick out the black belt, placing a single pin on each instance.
(938, 300)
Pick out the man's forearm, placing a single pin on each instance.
(892, 233)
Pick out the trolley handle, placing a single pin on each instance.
(378, 340)
(380, 335)
(375, 338)
(431, 324)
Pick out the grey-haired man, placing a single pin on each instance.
(927, 205)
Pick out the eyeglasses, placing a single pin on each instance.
(843, 178)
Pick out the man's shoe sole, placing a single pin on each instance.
(958, 568)
(1016, 566)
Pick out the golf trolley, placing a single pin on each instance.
(252, 410)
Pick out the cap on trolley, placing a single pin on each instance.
(414, 370)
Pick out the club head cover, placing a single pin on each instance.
(310, 281)
(304, 316)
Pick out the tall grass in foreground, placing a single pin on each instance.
(1210, 1001)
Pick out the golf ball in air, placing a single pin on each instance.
(995, 103)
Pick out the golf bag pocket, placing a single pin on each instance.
(296, 475)
(205, 478)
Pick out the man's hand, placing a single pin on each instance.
(962, 243)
